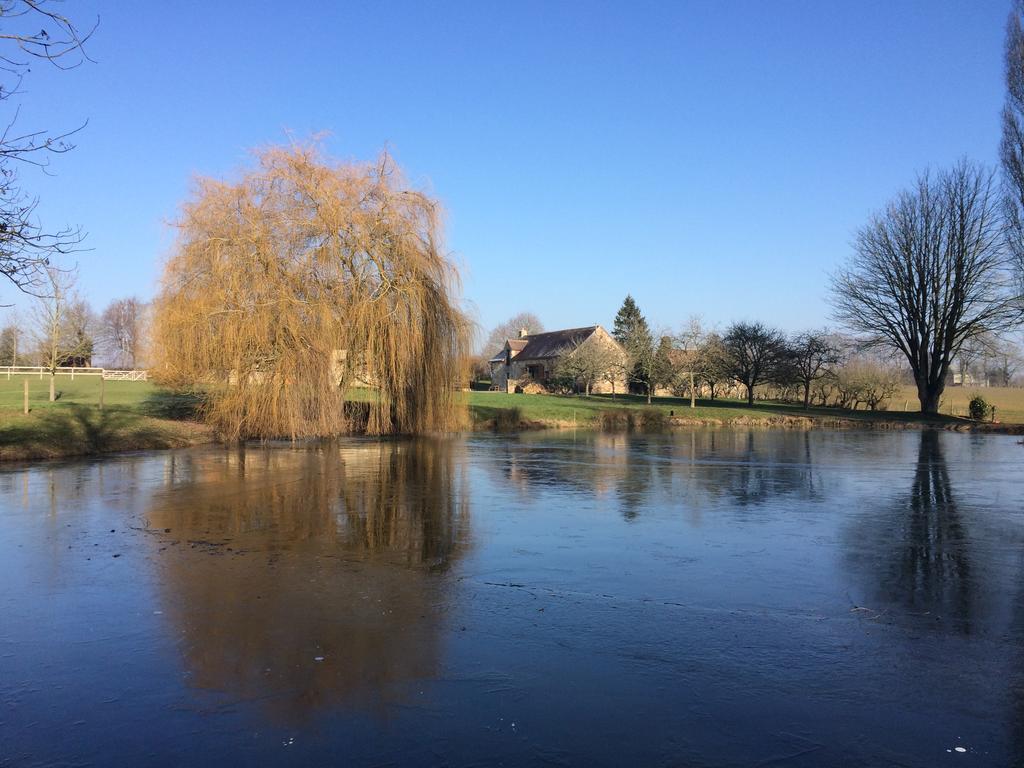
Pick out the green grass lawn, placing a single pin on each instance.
(84, 390)
(136, 415)
(1009, 401)
(586, 411)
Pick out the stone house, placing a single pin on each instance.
(535, 358)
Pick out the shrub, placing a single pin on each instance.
(979, 408)
(507, 419)
(632, 420)
(862, 381)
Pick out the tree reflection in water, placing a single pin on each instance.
(917, 552)
(740, 468)
(757, 466)
(307, 576)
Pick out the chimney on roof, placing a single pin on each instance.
(524, 332)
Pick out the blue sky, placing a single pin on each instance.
(710, 158)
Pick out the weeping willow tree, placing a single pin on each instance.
(302, 280)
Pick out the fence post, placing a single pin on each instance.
(25, 399)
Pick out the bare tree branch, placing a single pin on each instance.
(30, 30)
(61, 325)
(929, 273)
(754, 354)
(1011, 148)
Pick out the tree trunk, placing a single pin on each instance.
(929, 397)
(53, 393)
(648, 394)
(807, 394)
(693, 391)
(750, 394)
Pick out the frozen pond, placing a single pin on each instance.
(699, 598)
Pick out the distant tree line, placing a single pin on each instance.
(748, 358)
(61, 330)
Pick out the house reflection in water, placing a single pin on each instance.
(734, 469)
(309, 577)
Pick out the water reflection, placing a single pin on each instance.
(288, 589)
(755, 467)
(926, 567)
(741, 468)
(1015, 672)
(627, 599)
(634, 487)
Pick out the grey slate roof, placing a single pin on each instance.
(543, 346)
(514, 344)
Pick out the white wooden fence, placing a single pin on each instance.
(124, 375)
(34, 370)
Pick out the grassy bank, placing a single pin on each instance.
(1009, 401)
(136, 416)
(140, 416)
(505, 411)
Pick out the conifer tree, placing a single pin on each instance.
(632, 332)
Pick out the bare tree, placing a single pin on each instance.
(712, 362)
(970, 360)
(865, 381)
(812, 355)
(11, 341)
(616, 372)
(586, 363)
(1011, 148)
(121, 331)
(31, 31)
(510, 329)
(690, 340)
(755, 353)
(929, 273)
(60, 323)
(81, 325)
(9, 345)
(1002, 362)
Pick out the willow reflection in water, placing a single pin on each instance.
(289, 591)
